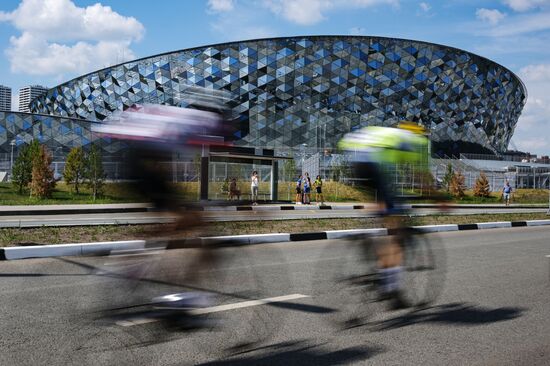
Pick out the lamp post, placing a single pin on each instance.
(12, 144)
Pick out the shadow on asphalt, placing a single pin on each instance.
(300, 353)
(460, 314)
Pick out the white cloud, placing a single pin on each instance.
(218, 6)
(59, 37)
(492, 16)
(521, 24)
(533, 129)
(425, 7)
(525, 5)
(357, 31)
(536, 73)
(308, 12)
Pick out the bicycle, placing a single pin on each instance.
(349, 280)
(190, 295)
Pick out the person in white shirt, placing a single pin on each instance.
(254, 187)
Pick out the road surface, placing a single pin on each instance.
(495, 310)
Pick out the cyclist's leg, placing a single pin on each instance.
(389, 252)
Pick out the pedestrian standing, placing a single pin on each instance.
(319, 190)
(233, 190)
(254, 183)
(299, 190)
(307, 189)
(506, 193)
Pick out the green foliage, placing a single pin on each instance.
(22, 168)
(93, 172)
(43, 182)
(482, 188)
(225, 186)
(457, 187)
(75, 165)
(449, 174)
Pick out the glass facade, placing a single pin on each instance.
(311, 90)
(59, 134)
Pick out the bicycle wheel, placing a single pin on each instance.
(424, 267)
(346, 281)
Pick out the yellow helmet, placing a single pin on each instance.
(412, 127)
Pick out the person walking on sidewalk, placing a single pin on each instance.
(506, 193)
(254, 183)
(299, 190)
(318, 184)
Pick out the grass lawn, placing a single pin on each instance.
(84, 234)
(62, 194)
(332, 191)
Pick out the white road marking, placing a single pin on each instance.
(219, 308)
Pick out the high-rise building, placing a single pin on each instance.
(27, 95)
(5, 98)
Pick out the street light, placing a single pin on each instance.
(12, 144)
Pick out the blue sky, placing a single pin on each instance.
(50, 41)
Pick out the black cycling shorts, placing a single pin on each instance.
(371, 176)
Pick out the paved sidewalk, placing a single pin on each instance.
(225, 206)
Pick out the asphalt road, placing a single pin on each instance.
(155, 217)
(495, 308)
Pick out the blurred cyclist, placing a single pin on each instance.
(373, 151)
(154, 134)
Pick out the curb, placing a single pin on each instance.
(70, 211)
(104, 248)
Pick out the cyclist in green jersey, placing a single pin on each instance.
(372, 152)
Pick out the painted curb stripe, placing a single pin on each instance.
(2, 255)
(244, 208)
(519, 223)
(358, 207)
(467, 227)
(308, 236)
(283, 208)
(437, 228)
(538, 222)
(341, 234)
(324, 207)
(493, 225)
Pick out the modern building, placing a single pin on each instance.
(28, 94)
(5, 98)
(294, 91)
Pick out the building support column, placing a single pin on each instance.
(274, 180)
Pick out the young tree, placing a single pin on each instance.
(482, 188)
(448, 177)
(457, 186)
(43, 182)
(93, 172)
(22, 168)
(74, 167)
(427, 183)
